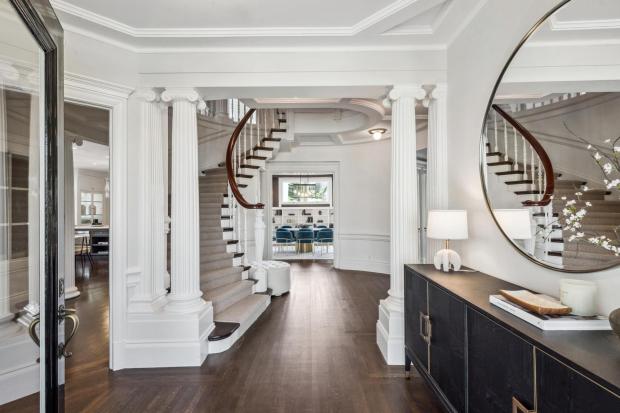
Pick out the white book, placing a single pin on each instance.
(551, 322)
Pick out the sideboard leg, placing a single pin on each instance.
(407, 367)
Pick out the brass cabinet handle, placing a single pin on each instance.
(425, 325)
(518, 407)
(63, 315)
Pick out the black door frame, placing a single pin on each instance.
(39, 17)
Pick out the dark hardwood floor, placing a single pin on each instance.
(313, 350)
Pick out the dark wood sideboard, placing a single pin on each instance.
(478, 358)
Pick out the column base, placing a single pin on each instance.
(150, 304)
(391, 331)
(165, 339)
(71, 292)
(185, 304)
(31, 311)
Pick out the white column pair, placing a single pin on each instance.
(404, 208)
(185, 293)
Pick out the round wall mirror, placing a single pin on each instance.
(550, 145)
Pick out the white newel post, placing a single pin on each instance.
(260, 273)
(150, 292)
(5, 313)
(437, 159)
(185, 294)
(403, 220)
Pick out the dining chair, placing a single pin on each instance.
(284, 238)
(305, 240)
(324, 238)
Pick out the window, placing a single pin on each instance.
(306, 190)
(91, 208)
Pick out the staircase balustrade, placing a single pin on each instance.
(523, 153)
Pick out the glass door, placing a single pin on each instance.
(31, 294)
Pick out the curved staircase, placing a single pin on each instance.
(514, 157)
(224, 270)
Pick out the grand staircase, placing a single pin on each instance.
(526, 172)
(224, 265)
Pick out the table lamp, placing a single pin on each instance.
(447, 225)
(517, 225)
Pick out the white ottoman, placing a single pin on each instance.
(278, 276)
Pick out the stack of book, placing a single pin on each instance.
(545, 312)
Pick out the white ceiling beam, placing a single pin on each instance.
(379, 22)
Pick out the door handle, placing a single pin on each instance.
(63, 315)
(518, 407)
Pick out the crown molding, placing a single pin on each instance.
(228, 32)
(601, 24)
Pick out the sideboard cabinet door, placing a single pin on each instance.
(415, 304)
(500, 367)
(447, 357)
(563, 390)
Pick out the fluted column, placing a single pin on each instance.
(437, 159)
(403, 219)
(32, 308)
(71, 291)
(5, 313)
(185, 294)
(150, 113)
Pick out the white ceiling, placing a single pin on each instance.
(595, 21)
(91, 155)
(147, 25)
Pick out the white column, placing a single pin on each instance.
(71, 290)
(259, 239)
(437, 159)
(185, 294)
(403, 220)
(5, 313)
(221, 110)
(150, 113)
(32, 308)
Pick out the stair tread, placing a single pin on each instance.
(522, 181)
(262, 148)
(223, 330)
(226, 290)
(242, 310)
(271, 140)
(494, 153)
(220, 272)
(509, 173)
(259, 158)
(500, 163)
(244, 176)
(249, 166)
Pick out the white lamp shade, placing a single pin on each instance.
(515, 223)
(447, 224)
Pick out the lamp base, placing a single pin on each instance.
(445, 258)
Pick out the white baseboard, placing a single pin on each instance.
(19, 383)
(380, 267)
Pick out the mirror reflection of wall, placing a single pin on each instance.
(550, 141)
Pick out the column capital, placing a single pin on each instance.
(147, 94)
(439, 92)
(407, 91)
(173, 94)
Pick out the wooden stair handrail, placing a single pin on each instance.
(232, 180)
(542, 154)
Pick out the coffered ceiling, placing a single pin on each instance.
(164, 24)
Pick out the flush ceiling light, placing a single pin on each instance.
(377, 133)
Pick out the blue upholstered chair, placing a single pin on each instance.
(286, 227)
(284, 238)
(305, 236)
(321, 226)
(324, 238)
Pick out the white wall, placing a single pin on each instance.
(475, 60)
(364, 201)
(92, 181)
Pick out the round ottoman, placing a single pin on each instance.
(278, 276)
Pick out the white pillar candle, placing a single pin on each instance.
(579, 296)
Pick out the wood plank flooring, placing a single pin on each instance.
(313, 350)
